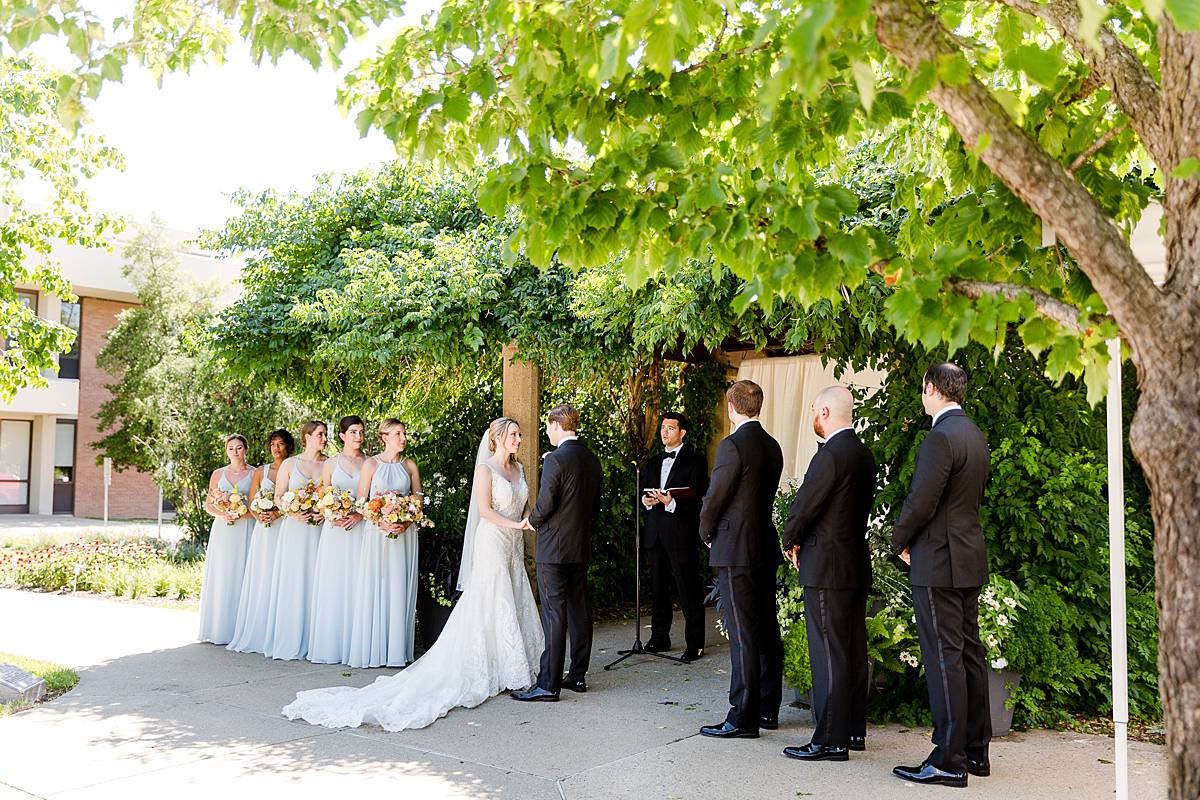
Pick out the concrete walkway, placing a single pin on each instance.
(157, 715)
(60, 528)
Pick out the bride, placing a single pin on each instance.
(493, 639)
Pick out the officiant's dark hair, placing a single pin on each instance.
(566, 416)
(680, 418)
(949, 379)
(746, 397)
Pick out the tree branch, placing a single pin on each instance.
(1134, 88)
(915, 36)
(1048, 306)
(1096, 147)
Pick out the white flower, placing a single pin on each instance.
(999, 663)
(991, 601)
(1002, 621)
(909, 658)
(1011, 602)
(992, 641)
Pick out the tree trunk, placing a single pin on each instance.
(1165, 437)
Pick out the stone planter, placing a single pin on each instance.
(1001, 684)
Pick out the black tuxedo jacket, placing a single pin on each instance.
(735, 518)
(676, 530)
(939, 523)
(828, 518)
(567, 504)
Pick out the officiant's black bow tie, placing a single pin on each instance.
(668, 455)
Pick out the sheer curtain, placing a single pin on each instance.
(789, 387)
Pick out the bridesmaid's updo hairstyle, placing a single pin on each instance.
(237, 437)
(345, 423)
(497, 431)
(390, 424)
(284, 436)
(309, 428)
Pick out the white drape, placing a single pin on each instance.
(789, 386)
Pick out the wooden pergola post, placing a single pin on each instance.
(522, 402)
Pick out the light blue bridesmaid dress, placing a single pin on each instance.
(332, 612)
(224, 569)
(385, 601)
(291, 581)
(250, 634)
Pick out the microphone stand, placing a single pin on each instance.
(638, 649)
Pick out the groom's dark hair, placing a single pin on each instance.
(566, 416)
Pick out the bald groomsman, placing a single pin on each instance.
(826, 540)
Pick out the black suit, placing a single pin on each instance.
(736, 521)
(939, 525)
(671, 543)
(567, 505)
(828, 522)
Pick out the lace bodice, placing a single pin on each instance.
(508, 499)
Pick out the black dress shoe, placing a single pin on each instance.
(692, 655)
(727, 730)
(656, 647)
(817, 752)
(769, 723)
(858, 743)
(536, 695)
(931, 775)
(980, 769)
(575, 686)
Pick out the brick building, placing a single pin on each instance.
(47, 462)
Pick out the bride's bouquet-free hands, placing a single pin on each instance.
(302, 502)
(232, 506)
(263, 506)
(394, 512)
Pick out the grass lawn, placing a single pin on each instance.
(59, 679)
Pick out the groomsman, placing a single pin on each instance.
(670, 536)
(939, 536)
(826, 540)
(735, 521)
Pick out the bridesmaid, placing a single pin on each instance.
(332, 613)
(251, 632)
(386, 587)
(296, 552)
(228, 541)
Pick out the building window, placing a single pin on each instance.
(64, 466)
(68, 363)
(30, 301)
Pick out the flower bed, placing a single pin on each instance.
(124, 568)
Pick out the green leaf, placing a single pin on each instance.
(864, 80)
(1092, 16)
(665, 154)
(660, 49)
(1185, 13)
(1186, 169)
(853, 249)
(457, 108)
(1043, 66)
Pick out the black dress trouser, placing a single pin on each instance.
(565, 610)
(681, 569)
(755, 649)
(835, 620)
(956, 673)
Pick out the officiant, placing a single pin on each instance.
(671, 535)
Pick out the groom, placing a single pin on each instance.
(567, 505)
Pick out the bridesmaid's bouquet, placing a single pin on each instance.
(335, 505)
(302, 501)
(233, 504)
(264, 503)
(397, 511)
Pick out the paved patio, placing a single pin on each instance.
(158, 715)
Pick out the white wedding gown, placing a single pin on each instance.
(492, 641)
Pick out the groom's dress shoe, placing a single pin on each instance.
(536, 695)
(727, 730)
(656, 647)
(929, 774)
(575, 686)
(690, 655)
(817, 752)
(980, 769)
(768, 723)
(858, 743)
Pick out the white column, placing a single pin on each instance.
(41, 465)
(1116, 571)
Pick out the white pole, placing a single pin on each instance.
(160, 499)
(1116, 571)
(107, 481)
